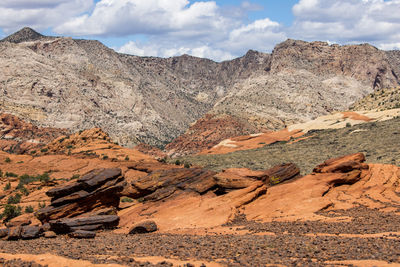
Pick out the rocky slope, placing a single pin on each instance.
(388, 98)
(79, 84)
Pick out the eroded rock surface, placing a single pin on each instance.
(96, 190)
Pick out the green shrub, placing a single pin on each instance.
(186, 165)
(105, 157)
(33, 152)
(7, 186)
(75, 176)
(44, 150)
(14, 199)
(1, 173)
(42, 205)
(348, 124)
(11, 174)
(29, 209)
(70, 146)
(10, 211)
(177, 162)
(26, 179)
(162, 160)
(126, 158)
(7, 160)
(61, 140)
(127, 199)
(24, 190)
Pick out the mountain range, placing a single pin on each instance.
(76, 84)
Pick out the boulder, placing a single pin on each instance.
(163, 183)
(14, 233)
(99, 189)
(237, 178)
(342, 164)
(81, 234)
(49, 234)
(30, 232)
(281, 173)
(143, 227)
(67, 225)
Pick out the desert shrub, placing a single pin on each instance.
(1, 173)
(348, 124)
(126, 158)
(33, 152)
(42, 205)
(70, 146)
(7, 186)
(61, 140)
(105, 157)
(29, 209)
(162, 160)
(44, 150)
(127, 199)
(177, 162)
(75, 176)
(14, 199)
(186, 165)
(10, 211)
(7, 160)
(26, 179)
(24, 190)
(11, 174)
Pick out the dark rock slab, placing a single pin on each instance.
(14, 233)
(98, 189)
(143, 227)
(63, 226)
(281, 173)
(81, 234)
(98, 177)
(30, 232)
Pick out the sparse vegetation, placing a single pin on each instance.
(177, 162)
(10, 211)
(7, 186)
(29, 209)
(14, 199)
(44, 150)
(105, 157)
(11, 174)
(75, 176)
(127, 199)
(187, 165)
(7, 160)
(26, 179)
(127, 158)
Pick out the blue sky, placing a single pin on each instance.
(219, 29)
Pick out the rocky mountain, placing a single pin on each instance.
(80, 84)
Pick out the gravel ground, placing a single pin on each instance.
(289, 246)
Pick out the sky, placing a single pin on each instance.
(219, 29)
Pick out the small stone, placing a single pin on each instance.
(81, 234)
(50, 234)
(143, 227)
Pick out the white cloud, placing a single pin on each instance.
(169, 50)
(348, 21)
(39, 14)
(129, 17)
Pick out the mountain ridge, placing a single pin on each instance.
(79, 84)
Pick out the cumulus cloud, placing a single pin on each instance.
(39, 14)
(348, 21)
(128, 17)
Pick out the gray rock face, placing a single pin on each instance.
(79, 84)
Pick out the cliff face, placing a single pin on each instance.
(79, 84)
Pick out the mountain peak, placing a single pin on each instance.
(24, 35)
